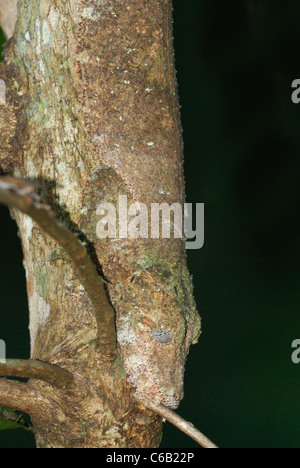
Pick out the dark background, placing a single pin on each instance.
(236, 61)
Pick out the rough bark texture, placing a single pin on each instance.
(10, 154)
(98, 117)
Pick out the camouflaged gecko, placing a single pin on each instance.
(152, 293)
(156, 332)
(136, 150)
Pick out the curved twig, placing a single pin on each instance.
(39, 370)
(183, 425)
(18, 194)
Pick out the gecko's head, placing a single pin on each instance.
(154, 361)
(155, 336)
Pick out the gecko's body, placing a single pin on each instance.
(155, 333)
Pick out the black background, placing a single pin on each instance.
(236, 61)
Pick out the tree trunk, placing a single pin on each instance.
(93, 115)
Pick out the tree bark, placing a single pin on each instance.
(10, 154)
(92, 114)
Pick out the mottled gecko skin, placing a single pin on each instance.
(156, 331)
(152, 293)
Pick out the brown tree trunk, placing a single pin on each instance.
(93, 114)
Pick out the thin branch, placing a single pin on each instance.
(20, 396)
(39, 370)
(18, 194)
(183, 425)
(8, 16)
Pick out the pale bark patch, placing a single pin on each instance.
(8, 16)
(41, 315)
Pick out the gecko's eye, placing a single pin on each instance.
(162, 335)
